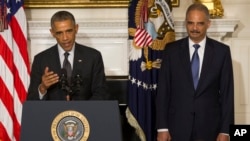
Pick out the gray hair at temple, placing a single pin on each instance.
(199, 7)
(62, 16)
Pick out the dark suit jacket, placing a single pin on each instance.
(209, 109)
(88, 64)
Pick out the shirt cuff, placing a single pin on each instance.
(162, 130)
(40, 94)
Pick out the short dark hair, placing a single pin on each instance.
(199, 7)
(62, 16)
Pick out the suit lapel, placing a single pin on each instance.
(185, 59)
(207, 62)
(78, 60)
(55, 60)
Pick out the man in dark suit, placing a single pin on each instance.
(186, 111)
(86, 77)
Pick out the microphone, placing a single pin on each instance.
(77, 82)
(63, 82)
(69, 88)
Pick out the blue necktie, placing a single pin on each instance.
(195, 65)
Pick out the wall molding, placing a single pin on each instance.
(111, 38)
(219, 28)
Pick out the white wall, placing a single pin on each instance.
(238, 41)
(240, 48)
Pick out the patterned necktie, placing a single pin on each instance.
(195, 65)
(67, 66)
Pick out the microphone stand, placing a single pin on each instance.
(63, 84)
(75, 87)
(72, 88)
(68, 94)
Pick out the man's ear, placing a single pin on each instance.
(51, 32)
(76, 27)
(209, 23)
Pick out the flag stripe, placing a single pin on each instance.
(14, 71)
(3, 132)
(20, 39)
(7, 110)
(142, 38)
(4, 120)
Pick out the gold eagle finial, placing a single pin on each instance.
(215, 7)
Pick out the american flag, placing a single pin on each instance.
(14, 68)
(145, 62)
(142, 37)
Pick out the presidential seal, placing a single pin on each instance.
(70, 126)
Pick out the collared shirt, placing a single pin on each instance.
(70, 57)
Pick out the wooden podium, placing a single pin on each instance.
(71, 121)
